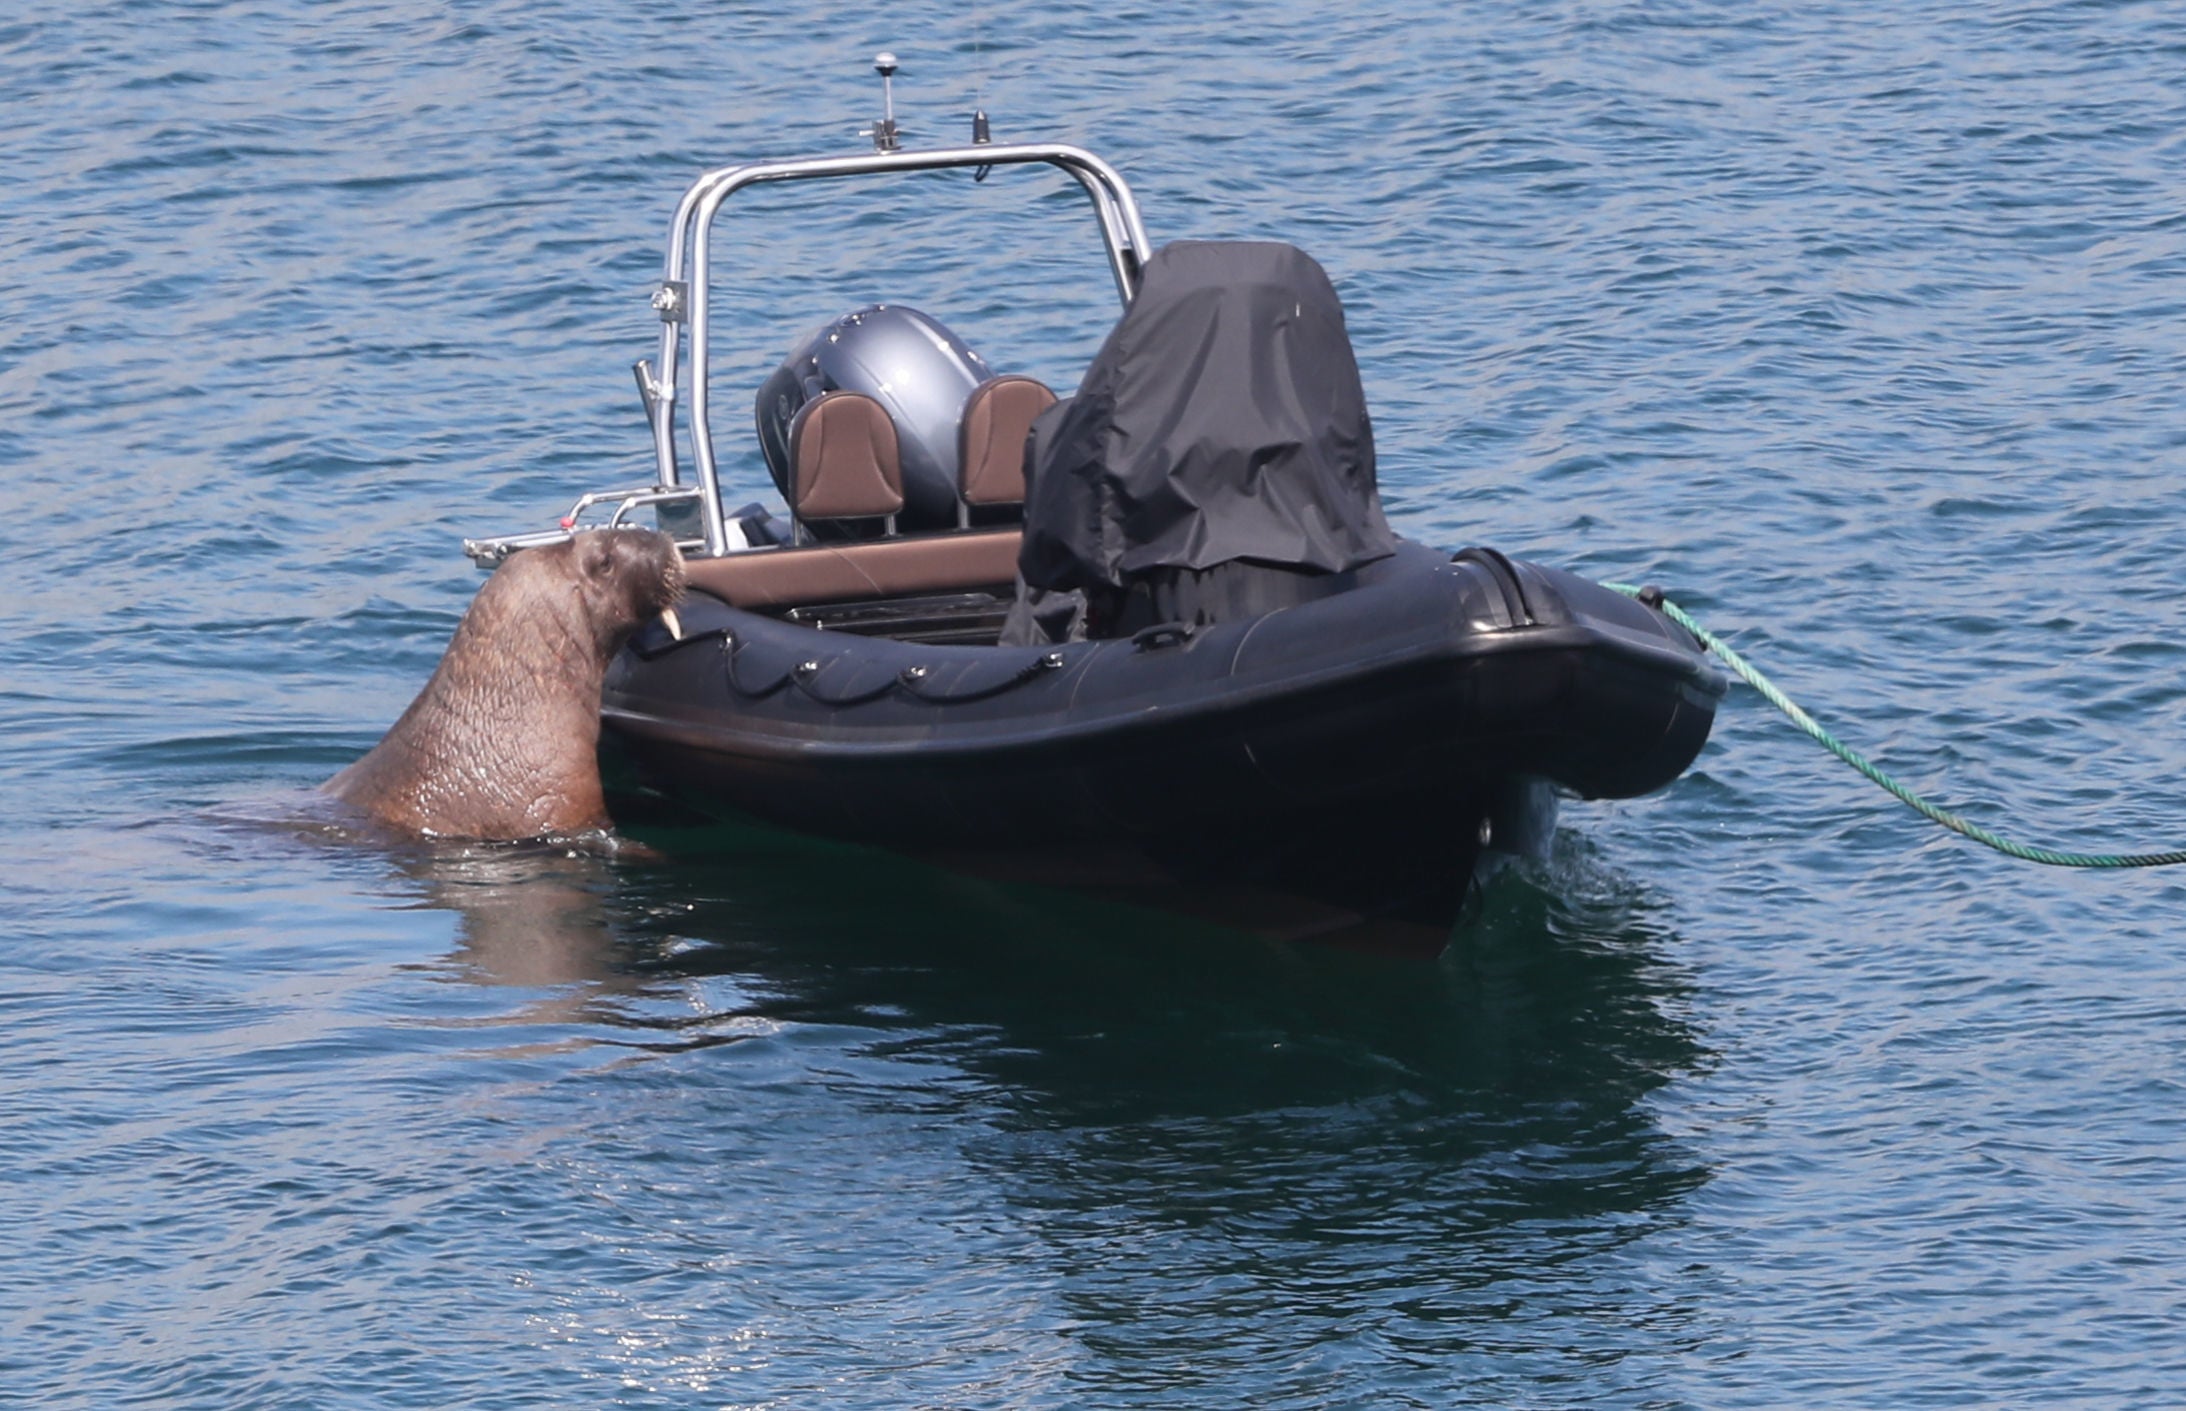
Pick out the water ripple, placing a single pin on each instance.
(1856, 327)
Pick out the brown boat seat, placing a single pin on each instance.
(991, 441)
(846, 464)
(807, 574)
(844, 459)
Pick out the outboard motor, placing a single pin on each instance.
(1217, 462)
(916, 369)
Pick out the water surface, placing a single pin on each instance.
(1858, 327)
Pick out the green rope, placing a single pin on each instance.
(1853, 757)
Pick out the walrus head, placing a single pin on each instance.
(626, 577)
(503, 741)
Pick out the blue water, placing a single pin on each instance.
(1860, 327)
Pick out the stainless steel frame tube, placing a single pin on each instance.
(691, 230)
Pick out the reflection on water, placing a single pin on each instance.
(531, 916)
(1195, 1146)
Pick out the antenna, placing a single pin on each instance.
(885, 138)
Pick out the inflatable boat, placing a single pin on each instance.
(1154, 639)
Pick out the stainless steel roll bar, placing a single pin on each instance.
(684, 295)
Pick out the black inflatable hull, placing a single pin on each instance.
(1344, 761)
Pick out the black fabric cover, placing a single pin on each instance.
(1222, 420)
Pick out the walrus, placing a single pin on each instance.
(502, 744)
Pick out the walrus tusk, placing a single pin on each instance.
(675, 624)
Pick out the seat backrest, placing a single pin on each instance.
(991, 441)
(844, 461)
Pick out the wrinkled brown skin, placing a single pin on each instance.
(503, 742)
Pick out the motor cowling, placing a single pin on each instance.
(913, 366)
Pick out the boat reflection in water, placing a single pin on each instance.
(1115, 1064)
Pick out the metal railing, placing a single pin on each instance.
(488, 553)
(685, 294)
